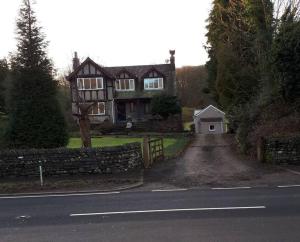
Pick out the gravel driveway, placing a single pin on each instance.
(211, 160)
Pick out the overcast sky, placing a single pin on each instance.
(115, 32)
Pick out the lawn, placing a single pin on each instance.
(187, 114)
(172, 145)
(187, 117)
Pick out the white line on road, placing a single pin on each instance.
(229, 188)
(288, 186)
(59, 195)
(169, 190)
(165, 210)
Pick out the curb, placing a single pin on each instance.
(121, 188)
(289, 170)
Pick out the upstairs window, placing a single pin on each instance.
(153, 83)
(97, 109)
(90, 83)
(125, 85)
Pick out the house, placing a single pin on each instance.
(119, 93)
(209, 120)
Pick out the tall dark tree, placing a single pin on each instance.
(35, 117)
(3, 76)
(239, 35)
(286, 55)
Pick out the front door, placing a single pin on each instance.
(121, 111)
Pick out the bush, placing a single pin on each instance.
(165, 105)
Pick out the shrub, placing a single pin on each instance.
(165, 105)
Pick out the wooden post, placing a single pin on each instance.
(162, 148)
(146, 152)
(261, 149)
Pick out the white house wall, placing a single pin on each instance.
(202, 127)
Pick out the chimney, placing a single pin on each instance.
(172, 58)
(76, 62)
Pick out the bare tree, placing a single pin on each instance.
(84, 123)
(280, 6)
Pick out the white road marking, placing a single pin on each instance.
(165, 210)
(59, 195)
(23, 217)
(169, 190)
(229, 188)
(288, 186)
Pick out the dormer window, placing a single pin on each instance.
(90, 83)
(125, 85)
(153, 83)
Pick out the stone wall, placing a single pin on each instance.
(64, 161)
(284, 150)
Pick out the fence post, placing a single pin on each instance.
(146, 152)
(41, 173)
(162, 147)
(261, 149)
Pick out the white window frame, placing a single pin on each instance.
(149, 83)
(214, 129)
(131, 85)
(89, 78)
(99, 113)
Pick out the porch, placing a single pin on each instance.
(136, 110)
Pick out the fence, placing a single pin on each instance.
(153, 150)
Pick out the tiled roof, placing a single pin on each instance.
(139, 70)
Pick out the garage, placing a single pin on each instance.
(209, 120)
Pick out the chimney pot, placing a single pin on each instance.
(76, 61)
(172, 57)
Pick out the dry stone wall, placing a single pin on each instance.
(284, 150)
(64, 161)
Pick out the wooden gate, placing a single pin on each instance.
(153, 150)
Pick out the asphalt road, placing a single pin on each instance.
(249, 214)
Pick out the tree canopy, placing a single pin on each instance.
(253, 57)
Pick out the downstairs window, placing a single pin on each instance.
(97, 109)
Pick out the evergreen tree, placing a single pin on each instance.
(232, 60)
(239, 38)
(35, 118)
(165, 105)
(286, 55)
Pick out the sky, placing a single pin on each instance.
(115, 32)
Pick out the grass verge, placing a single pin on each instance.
(172, 145)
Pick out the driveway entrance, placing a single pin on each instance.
(211, 160)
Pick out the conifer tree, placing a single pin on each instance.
(35, 117)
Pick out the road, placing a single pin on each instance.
(239, 214)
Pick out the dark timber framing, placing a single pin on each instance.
(133, 103)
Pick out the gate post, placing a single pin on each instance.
(146, 152)
(261, 149)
